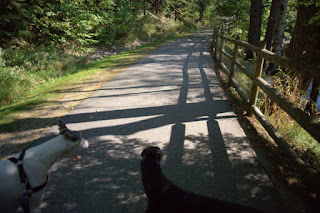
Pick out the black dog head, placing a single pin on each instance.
(152, 152)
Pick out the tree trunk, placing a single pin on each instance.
(202, 8)
(175, 14)
(278, 31)
(305, 43)
(255, 25)
(271, 23)
(279, 27)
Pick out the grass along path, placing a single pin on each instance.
(26, 120)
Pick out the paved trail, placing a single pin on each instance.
(171, 99)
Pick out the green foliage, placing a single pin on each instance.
(36, 35)
(32, 60)
(149, 28)
(316, 18)
(74, 24)
(12, 81)
(233, 14)
(57, 22)
(24, 68)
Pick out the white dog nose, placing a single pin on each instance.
(84, 143)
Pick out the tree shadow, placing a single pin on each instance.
(107, 179)
(209, 161)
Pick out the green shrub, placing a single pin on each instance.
(24, 68)
(12, 83)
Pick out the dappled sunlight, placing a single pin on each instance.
(12, 144)
(225, 115)
(202, 169)
(175, 103)
(103, 181)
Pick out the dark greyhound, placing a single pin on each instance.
(164, 196)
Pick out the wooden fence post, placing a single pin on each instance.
(257, 74)
(216, 44)
(221, 46)
(233, 62)
(215, 37)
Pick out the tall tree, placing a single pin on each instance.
(279, 27)
(156, 5)
(256, 9)
(271, 22)
(202, 6)
(177, 7)
(305, 43)
(278, 31)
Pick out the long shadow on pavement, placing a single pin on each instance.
(212, 162)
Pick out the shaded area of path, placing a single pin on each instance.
(173, 100)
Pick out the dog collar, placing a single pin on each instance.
(24, 180)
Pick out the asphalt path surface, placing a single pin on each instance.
(170, 99)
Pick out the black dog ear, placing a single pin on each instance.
(143, 153)
(62, 126)
(72, 136)
(159, 154)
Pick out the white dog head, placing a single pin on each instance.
(74, 139)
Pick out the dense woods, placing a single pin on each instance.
(40, 39)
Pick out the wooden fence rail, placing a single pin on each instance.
(311, 125)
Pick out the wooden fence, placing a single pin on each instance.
(311, 125)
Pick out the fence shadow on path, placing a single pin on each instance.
(107, 178)
(207, 168)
